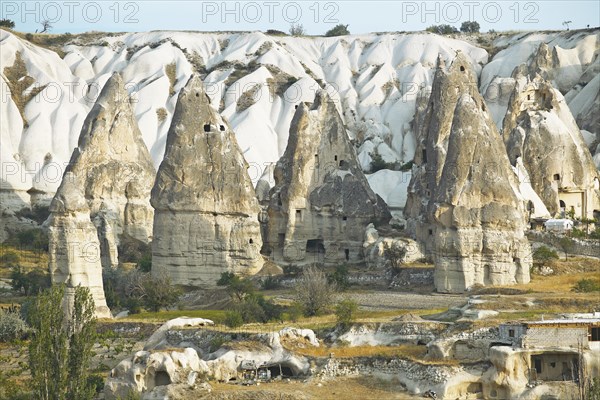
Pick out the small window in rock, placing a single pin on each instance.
(553, 364)
(424, 155)
(341, 161)
(511, 333)
(347, 253)
(344, 218)
(296, 107)
(557, 177)
(595, 335)
(528, 97)
(298, 213)
(430, 231)
(462, 69)
(197, 94)
(335, 158)
(206, 127)
(222, 128)
(251, 241)
(483, 107)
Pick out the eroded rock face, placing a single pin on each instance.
(321, 203)
(73, 244)
(115, 170)
(540, 129)
(464, 202)
(206, 211)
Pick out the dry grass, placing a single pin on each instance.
(161, 114)
(403, 351)
(27, 259)
(21, 85)
(171, 72)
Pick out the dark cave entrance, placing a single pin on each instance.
(315, 246)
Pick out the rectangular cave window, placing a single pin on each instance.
(347, 254)
(424, 154)
(557, 177)
(344, 218)
(341, 161)
(511, 333)
(430, 231)
(528, 97)
(206, 127)
(595, 334)
(335, 158)
(222, 128)
(316, 158)
(299, 213)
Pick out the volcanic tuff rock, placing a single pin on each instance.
(540, 129)
(206, 211)
(74, 246)
(464, 201)
(115, 169)
(321, 203)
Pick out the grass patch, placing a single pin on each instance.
(217, 316)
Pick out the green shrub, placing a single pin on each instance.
(294, 312)
(97, 382)
(443, 29)
(345, 312)
(270, 283)
(145, 263)
(233, 319)
(378, 163)
(578, 233)
(338, 30)
(12, 326)
(543, 254)
(587, 286)
(340, 277)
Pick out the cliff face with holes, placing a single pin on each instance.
(321, 203)
(464, 202)
(73, 244)
(540, 130)
(206, 211)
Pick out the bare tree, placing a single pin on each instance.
(566, 24)
(46, 26)
(297, 30)
(314, 292)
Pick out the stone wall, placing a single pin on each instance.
(538, 337)
(581, 247)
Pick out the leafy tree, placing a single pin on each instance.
(470, 27)
(237, 287)
(12, 326)
(314, 292)
(30, 283)
(61, 345)
(345, 312)
(297, 30)
(395, 254)
(7, 23)
(566, 244)
(338, 30)
(158, 292)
